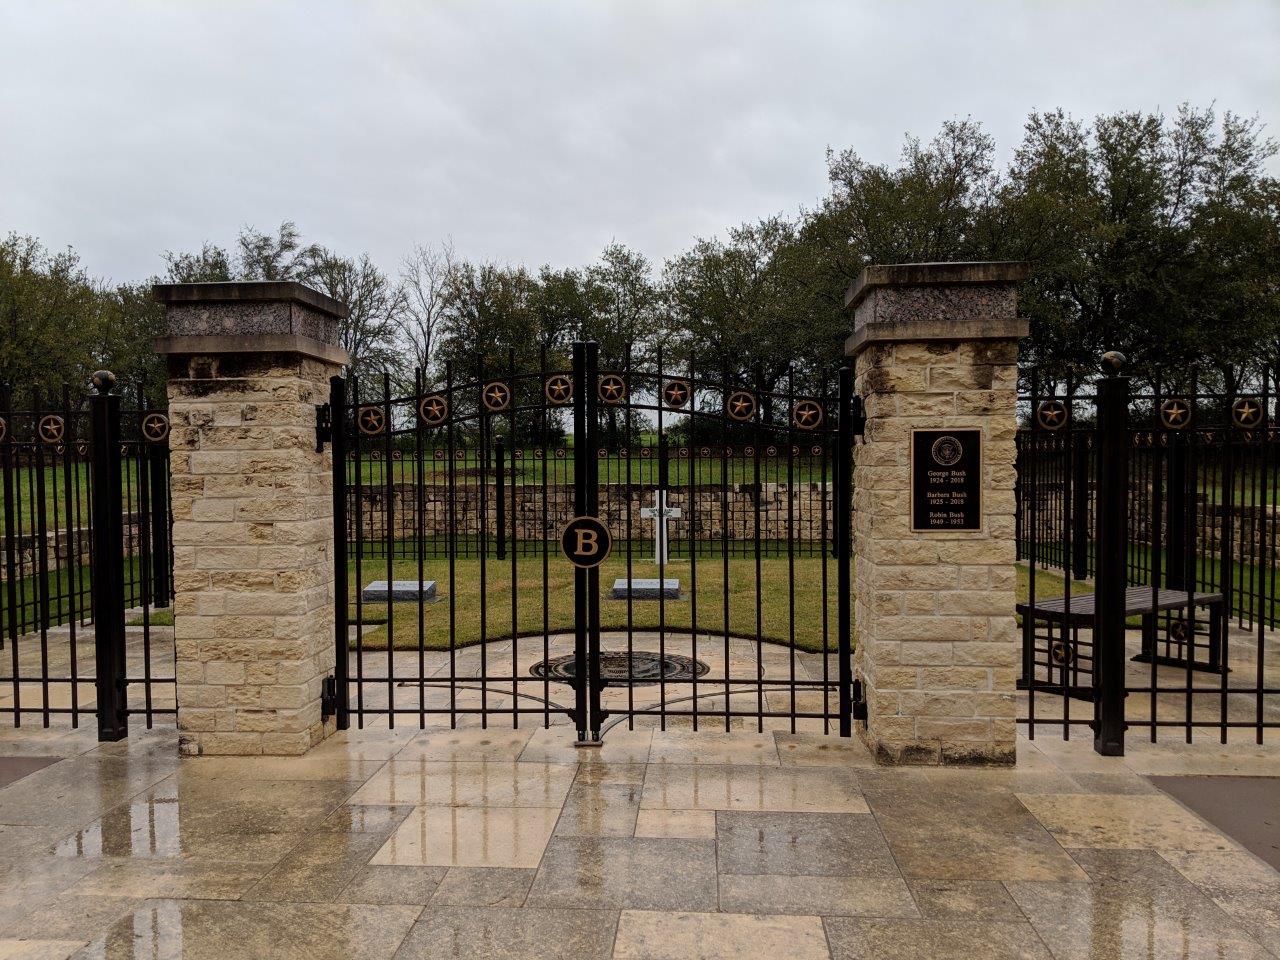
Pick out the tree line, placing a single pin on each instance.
(1155, 235)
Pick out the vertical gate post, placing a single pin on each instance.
(157, 456)
(935, 347)
(1113, 528)
(249, 366)
(341, 587)
(108, 559)
(844, 547)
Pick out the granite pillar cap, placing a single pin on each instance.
(250, 316)
(935, 301)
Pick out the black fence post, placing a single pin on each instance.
(161, 561)
(341, 641)
(1080, 526)
(1112, 532)
(582, 456)
(500, 476)
(1176, 513)
(844, 548)
(108, 560)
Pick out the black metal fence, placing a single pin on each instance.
(1148, 525)
(86, 535)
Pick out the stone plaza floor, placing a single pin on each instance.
(515, 844)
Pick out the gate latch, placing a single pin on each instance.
(859, 702)
(328, 698)
(324, 426)
(859, 417)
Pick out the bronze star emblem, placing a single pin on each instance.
(433, 409)
(676, 393)
(497, 396)
(1246, 413)
(1175, 413)
(371, 420)
(806, 414)
(155, 427)
(1052, 415)
(558, 390)
(51, 428)
(741, 405)
(613, 389)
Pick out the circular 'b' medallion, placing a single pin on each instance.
(612, 388)
(155, 427)
(676, 393)
(371, 420)
(1246, 413)
(620, 669)
(1175, 413)
(740, 405)
(558, 390)
(586, 541)
(496, 396)
(1051, 415)
(433, 409)
(946, 451)
(51, 428)
(807, 414)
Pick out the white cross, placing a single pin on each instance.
(660, 513)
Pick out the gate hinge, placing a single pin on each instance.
(324, 426)
(859, 702)
(859, 417)
(328, 698)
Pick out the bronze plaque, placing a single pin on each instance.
(946, 480)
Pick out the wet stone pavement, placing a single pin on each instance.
(514, 844)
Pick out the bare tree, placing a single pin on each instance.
(375, 303)
(424, 280)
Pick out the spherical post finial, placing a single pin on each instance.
(103, 381)
(1113, 362)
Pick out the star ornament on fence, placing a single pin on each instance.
(1052, 415)
(558, 390)
(613, 389)
(741, 405)
(155, 427)
(433, 410)
(496, 396)
(371, 420)
(676, 393)
(807, 414)
(1175, 413)
(1246, 413)
(51, 428)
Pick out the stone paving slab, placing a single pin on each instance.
(514, 844)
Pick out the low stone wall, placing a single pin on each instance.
(62, 548)
(804, 508)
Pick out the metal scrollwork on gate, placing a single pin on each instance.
(807, 414)
(558, 390)
(155, 427)
(1175, 414)
(82, 447)
(433, 409)
(676, 393)
(740, 405)
(1178, 631)
(496, 396)
(52, 428)
(1051, 415)
(371, 420)
(1246, 413)
(4, 429)
(612, 388)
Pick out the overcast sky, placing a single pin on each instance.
(533, 131)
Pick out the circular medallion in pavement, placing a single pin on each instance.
(620, 669)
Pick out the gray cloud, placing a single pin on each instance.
(538, 131)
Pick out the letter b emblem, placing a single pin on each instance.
(585, 541)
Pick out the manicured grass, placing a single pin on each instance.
(775, 602)
(61, 584)
(61, 481)
(159, 618)
(774, 599)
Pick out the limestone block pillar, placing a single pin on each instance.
(252, 512)
(935, 348)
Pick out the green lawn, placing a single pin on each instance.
(775, 603)
(62, 483)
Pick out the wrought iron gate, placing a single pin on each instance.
(731, 500)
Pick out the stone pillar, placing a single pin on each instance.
(936, 348)
(252, 512)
